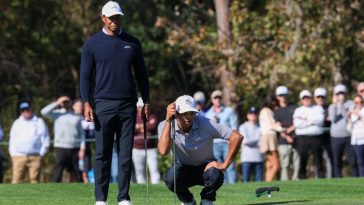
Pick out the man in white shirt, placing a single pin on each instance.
(308, 120)
(28, 143)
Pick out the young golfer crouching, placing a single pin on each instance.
(195, 163)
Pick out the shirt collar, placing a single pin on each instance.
(104, 30)
(23, 118)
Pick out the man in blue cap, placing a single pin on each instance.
(28, 143)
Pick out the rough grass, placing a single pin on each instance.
(333, 191)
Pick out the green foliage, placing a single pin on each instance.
(299, 43)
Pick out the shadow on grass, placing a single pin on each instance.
(281, 202)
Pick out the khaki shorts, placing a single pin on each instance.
(268, 142)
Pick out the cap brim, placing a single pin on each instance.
(114, 13)
(188, 110)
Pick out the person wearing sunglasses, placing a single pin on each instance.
(320, 99)
(308, 120)
(356, 126)
(340, 136)
(225, 116)
(360, 89)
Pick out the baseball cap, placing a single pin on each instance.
(199, 97)
(111, 8)
(140, 102)
(216, 93)
(340, 89)
(305, 93)
(253, 110)
(185, 103)
(282, 90)
(24, 106)
(320, 92)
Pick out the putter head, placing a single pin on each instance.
(266, 190)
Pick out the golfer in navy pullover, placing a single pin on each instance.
(109, 95)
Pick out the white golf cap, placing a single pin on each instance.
(281, 90)
(185, 103)
(140, 102)
(305, 93)
(199, 97)
(320, 92)
(111, 8)
(340, 89)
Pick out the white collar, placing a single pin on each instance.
(104, 30)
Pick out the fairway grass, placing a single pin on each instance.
(324, 191)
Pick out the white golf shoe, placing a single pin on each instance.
(189, 203)
(100, 203)
(125, 202)
(206, 202)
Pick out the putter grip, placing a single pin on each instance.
(262, 190)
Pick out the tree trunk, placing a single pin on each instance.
(227, 78)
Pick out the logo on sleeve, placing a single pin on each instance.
(127, 47)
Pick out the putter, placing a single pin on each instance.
(146, 155)
(174, 160)
(266, 190)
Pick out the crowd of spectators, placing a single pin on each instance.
(279, 138)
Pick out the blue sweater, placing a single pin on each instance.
(106, 68)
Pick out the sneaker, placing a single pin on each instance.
(189, 203)
(100, 203)
(206, 202)
(125, 202)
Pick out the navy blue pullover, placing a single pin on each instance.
(106, 68)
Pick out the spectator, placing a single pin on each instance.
(268, 142)
(200, 100)
(320, 100)
(28, 143)
(308, 120)
(195, 163)
(340, 137)
(139, 157)
(1, 156)
(251, 158)
(225, 116)
(68, 137)
(356, 126)
(85, 164)
(286, 139)
(360, 89)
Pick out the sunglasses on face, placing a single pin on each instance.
(339, 93)
(306, 98)
(24, 110)
(322, 97)
(218, 97)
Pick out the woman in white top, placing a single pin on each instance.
(356, 126)
(269, 142)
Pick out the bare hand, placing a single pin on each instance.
(290, 139)
(62, 99)
(171, 111)
(81, 154)
(215, 164)
(146, 111)
(88, 114)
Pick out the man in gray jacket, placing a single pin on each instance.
(68, 137)
(340, 137)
